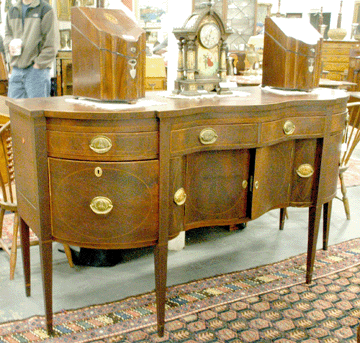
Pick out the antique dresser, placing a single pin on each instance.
(126, 178)
(335, 58)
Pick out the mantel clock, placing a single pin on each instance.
(202, 52)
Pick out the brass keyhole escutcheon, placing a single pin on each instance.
(101, 205)
(98, 172)
(180, 197)
(208, 136)
(256, 184)
(100, 144)
(305, 170)
(289, 127)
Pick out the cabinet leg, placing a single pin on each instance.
(326, 224)
(46, 271)
(25, 249)
(160, 280)
(314, 221)
(283, 214)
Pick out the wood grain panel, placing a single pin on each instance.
(132, 188)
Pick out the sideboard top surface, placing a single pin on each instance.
(255, 99)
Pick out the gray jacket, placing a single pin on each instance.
(40, 34)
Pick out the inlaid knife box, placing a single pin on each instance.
(108, 55)
(292, 54)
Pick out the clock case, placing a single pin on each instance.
(191, 78)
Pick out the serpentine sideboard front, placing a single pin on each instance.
(113, 179)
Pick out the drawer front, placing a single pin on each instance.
(103, 147)
(104, 205)
(278, 130)
(336, 66)
(336, 59)
(154, 84)
(219, 136)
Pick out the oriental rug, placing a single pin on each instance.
(268, 304)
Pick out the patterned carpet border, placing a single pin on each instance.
(124, 320)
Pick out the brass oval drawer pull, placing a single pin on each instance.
(101, 205)
(289, 127)
(180, 197)
(305, 170)
(208, 136)
(100, 144)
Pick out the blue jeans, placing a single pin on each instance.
(29, 83)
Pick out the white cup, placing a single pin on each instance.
(15, 47)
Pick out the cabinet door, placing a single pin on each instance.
(272, 177)
(104, 204)
(216, 187)
(304, 172)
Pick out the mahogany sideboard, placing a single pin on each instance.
(131, 178)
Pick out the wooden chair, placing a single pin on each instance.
(8, 197)
(351, 139)
(4, 78)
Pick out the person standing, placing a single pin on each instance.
(31, 41)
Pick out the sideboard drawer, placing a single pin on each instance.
(103, 204)
(220, 136)
(278, 130)
(103, 147)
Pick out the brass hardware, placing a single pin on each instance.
(180, 197)
(244, 184)
(98, 172)
(100, 144)
(256, 184)
(208, 136)
(289, 127)
(305, 170)
(132, 64)
(101, 205)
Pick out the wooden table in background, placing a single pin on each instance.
(255, 80)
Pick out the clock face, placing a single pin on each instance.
(209, 35)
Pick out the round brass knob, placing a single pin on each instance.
(100, 144)
(208, 136)
(305, 170)
(101, 205)
(180, 197)
(289, 127)
(244, 184)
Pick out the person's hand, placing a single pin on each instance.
(12, 50)
(36, 66)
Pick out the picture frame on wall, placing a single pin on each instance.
(64, 9)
